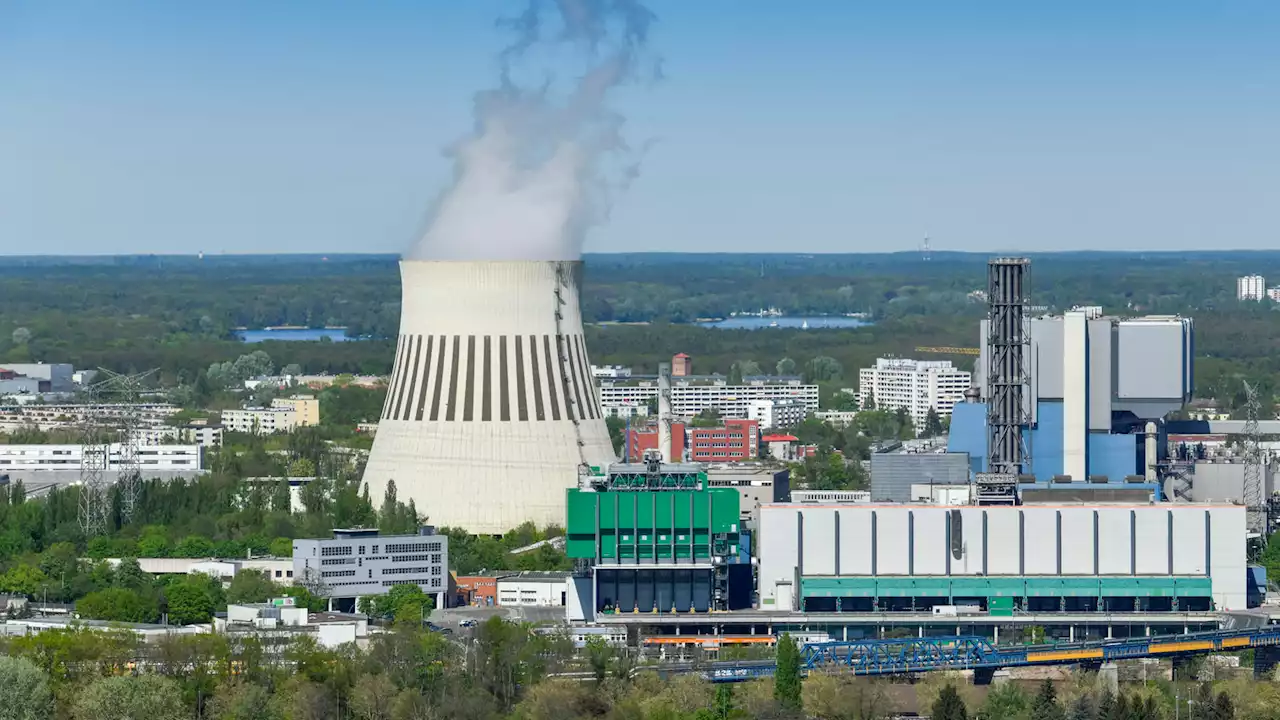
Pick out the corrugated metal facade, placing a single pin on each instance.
(1170, 541)
(893, 474)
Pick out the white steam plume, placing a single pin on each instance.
(538, 169)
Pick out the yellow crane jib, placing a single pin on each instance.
(949, 350)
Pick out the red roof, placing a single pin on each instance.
(681, 355)
(780, 438)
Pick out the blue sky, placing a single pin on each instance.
(818, 126)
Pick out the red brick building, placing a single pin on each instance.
(646, 438)
(736, 440)
(681, 365)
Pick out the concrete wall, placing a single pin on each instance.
(879, 540)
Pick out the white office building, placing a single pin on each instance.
(360, 562)
(1251, 287)
(541, 589)
(68, 457)
(777, 413)
(917, 385)
(691, 396)
(260, 421)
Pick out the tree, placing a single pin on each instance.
(1223, 708)
(823, 369)
(949, 705)
(23, 579)
(373, 698)
(118, 604)
(786, 366)
(193, 546)
(599, 656)
(251, 586)
(1082, 708)
(129, 575)
(21, 336)
(932, 424)
(241, 701)
(153, 697)
(193, 599)
(302, 468)
(1005, 701)
(24, 691)
(723, 709)
(706, 418)
(786, 679)
(406, 604)
(870, 404)
(1045, 706)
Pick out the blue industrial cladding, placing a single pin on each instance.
(1110, 455)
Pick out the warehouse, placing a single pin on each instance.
(864, 558)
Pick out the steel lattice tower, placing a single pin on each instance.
(95, 453)
(1007, 378)
(1253, 496)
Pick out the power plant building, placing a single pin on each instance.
(1082, 558)
(492, 411)
(1095, 384)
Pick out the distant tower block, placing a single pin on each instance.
(491, 409)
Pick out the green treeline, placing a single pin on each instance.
(508, 670)
(178, 314)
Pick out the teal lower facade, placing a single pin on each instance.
(999, 593)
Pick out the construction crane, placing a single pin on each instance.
(949, 350)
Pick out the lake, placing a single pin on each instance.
(294, 334)
(751, 322)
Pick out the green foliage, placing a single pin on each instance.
(251, 586)
(786, 679)
(1006, 701)
(24, 691)
(473, 555)
(193, 599)
(406, 604)
(949, 705)
(24, 579)
(237, 700)
(1045, 706)
(152, 697)
(932, 424)
(119, 604)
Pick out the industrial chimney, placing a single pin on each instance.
(491, 410)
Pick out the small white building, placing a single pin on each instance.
(610, 371)
(283, 619)
(777, 413)
(69, 457)
(837, 418)
(541, 589)
(278, 569)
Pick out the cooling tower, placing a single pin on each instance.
(491, 408)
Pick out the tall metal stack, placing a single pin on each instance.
(1007, 380)
(1253, 494)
